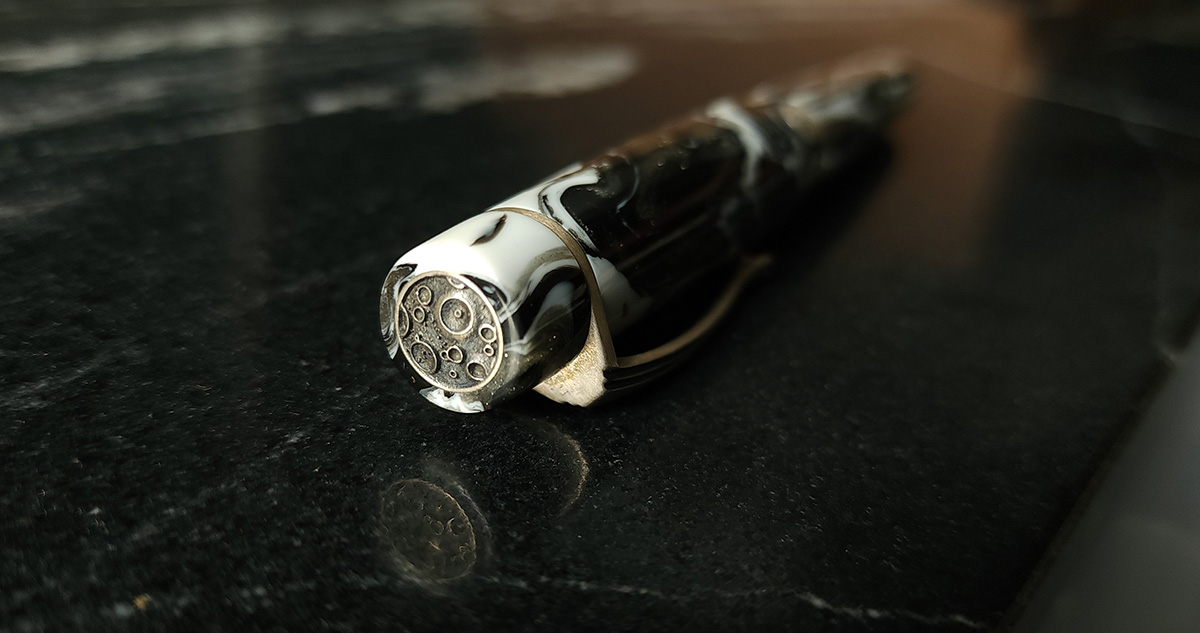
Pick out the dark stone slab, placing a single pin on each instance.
(200, 428)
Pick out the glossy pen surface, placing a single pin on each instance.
(662, 209)
(508, 299)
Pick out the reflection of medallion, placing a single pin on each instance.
(449, 332)
(426, 531)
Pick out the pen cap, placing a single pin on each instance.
(485, 310)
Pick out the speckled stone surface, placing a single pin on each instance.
(200, 428)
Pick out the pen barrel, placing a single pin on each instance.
(661, 211)
(502, 301)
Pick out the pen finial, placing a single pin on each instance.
(449, 332)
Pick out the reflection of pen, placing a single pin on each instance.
(436, 522)
(528, 294)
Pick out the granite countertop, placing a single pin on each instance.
(200, 427)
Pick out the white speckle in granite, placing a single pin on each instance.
(32, 395)
(29, 206)
(545, 73)
(324, 102)
(235, 29)
(295, 437)
(856, 613)
(26, 113)
(862, 613)
(538, 74)
(307, 282)
(229, 29)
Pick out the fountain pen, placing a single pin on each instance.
(529, 294)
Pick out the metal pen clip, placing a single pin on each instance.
(530, 294)
(598, 373)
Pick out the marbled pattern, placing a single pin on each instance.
(665, 209)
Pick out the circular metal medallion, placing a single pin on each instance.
(449, 332)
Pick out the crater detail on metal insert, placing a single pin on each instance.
(452, 325)
(455, 316)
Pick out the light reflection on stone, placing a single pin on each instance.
(577, 469)
(435, 526)
(426, 531)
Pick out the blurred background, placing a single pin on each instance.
(900, 428)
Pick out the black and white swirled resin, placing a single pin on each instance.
(664, 209)
(652, 215)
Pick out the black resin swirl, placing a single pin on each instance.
(668, 207)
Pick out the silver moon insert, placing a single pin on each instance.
(452, 339)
